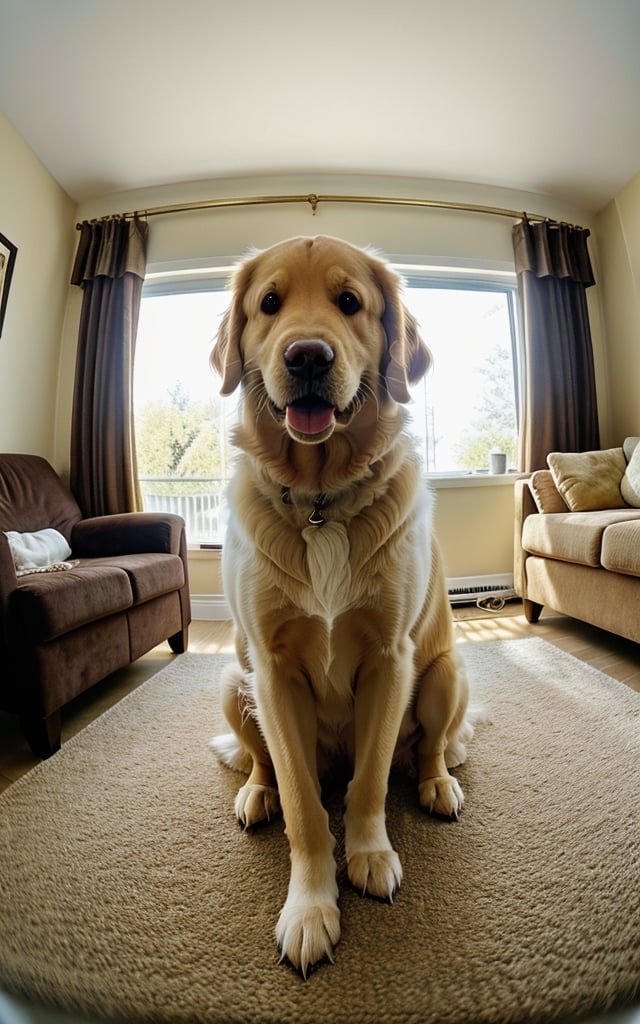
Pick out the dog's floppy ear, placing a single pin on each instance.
(406, 358)
(226, 355)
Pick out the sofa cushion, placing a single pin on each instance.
(589, 480)
(150, 574)
(572, 536)
(545, 493)
(33, 497)
(621, 548)
(44, 606)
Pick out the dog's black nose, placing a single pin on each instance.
(308, 358)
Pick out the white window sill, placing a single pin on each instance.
(438, 481)
(441, 481)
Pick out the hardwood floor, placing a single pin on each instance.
(610, 654)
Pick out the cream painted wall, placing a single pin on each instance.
(38, 217)
(475, 522)
(618, 227)
(475, 527)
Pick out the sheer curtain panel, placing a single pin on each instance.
(109, 267)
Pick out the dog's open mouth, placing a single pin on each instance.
(310, 417)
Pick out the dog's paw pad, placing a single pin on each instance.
(441, 796)
(256, 804)
(308, 934)
(377, 873)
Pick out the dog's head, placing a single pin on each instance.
(316, 329)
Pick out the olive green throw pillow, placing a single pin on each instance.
(589, 480)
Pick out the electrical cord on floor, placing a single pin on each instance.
(490, 604)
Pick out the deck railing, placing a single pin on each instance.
(199, 500)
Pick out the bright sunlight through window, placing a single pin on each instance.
(462, 411)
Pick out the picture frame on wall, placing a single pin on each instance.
(7, 260)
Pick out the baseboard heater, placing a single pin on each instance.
(467, 589)
(461, 590)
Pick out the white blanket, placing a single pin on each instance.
(35, 550)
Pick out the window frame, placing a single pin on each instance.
(189, 276)
(462, 275)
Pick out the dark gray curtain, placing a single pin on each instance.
(559, 403)
(109, 267)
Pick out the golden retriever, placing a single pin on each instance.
(334, 579)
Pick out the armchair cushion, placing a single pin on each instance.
(572, 536)
(33, 497)
(46, 606)
(150, 574)
(621, 548)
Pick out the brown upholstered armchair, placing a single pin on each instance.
(121, 588)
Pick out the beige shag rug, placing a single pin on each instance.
(127, 890)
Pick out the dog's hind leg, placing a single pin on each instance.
(440, 709)
(258, 799)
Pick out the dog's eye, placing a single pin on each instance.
(347, 303)
(270, 304)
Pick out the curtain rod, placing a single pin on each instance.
(314, 200)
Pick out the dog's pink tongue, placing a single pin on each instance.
(310, 417)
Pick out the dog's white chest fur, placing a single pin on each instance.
(329, 566)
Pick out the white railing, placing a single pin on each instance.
(199, 500)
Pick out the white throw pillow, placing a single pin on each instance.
(34, 550)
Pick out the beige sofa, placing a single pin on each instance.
(577, 538)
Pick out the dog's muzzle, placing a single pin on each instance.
(310, 417)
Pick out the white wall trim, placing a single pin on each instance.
(209, 607)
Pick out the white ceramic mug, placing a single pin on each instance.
(497, 462)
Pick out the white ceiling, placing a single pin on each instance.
(538, 96)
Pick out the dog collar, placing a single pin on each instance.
(315, 516)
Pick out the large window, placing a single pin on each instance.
(182, 425)
(462, 411)
(465, 407)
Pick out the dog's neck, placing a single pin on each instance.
(319, 473)
(315, 517)
(341, 485)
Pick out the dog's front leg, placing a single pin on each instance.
(309, 923)
(381, 698)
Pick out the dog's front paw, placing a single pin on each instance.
(307, 933)
(441, 796)
(377, 873)
(255, 804)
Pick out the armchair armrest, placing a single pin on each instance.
(8, 583)
(128, 533)
(524, 505)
